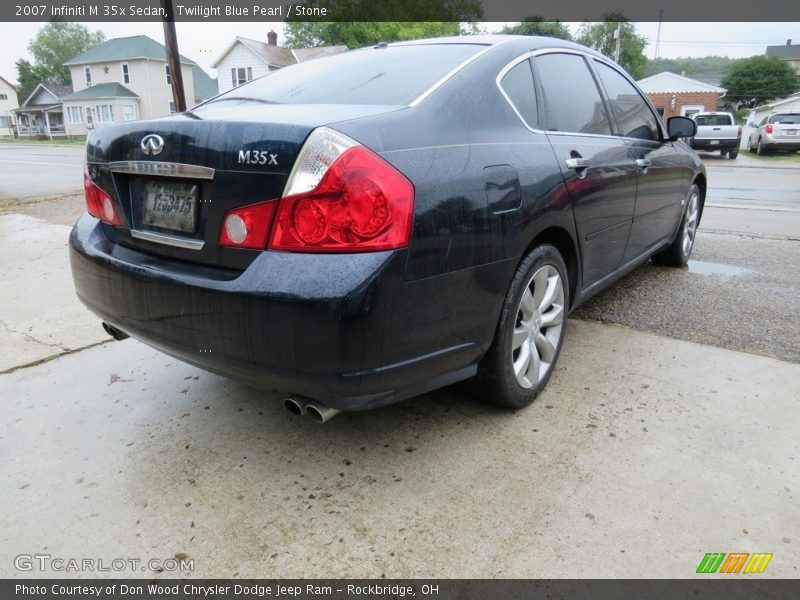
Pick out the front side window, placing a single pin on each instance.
(572, 102)
(87, 72)
(634, 117)
(517, 85)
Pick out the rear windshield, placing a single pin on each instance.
(713, 120)
(393, 75)
(785, 119)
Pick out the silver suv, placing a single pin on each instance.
(780, 131)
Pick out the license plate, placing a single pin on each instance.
(712, 142)
(170, 205)
(790, 131)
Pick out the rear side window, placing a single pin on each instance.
(634, 117)
(517, 85)
(713, 120)
(571, 99)
(393, 75)
(785, 119)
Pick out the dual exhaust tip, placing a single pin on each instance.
(316, 411)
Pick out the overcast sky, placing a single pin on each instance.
(203, 42)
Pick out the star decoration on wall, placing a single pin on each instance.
(105, 69)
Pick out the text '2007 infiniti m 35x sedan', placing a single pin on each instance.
(366, 227)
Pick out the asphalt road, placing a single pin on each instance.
(31, 172)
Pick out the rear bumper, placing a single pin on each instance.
(771, 143)
(714, 144)
(338, 331)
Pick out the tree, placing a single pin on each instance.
(759, 79)
(600, 36)
(538, 26)
(359, 34)
(357, 23)
(54, 44)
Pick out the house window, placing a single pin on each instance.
(241, 75)
(75, 114)
(126, 75)
(87, 72)
(172, 107)
(169, 74)
(4, 122)
(3, 96)
(128, 112)
(104, 113)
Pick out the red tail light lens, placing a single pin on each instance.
(343, 197)
(739, 133)
(247, 227)
(768, 128)
(98, 203)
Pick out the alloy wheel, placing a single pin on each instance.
(690, 223)
(537, 330)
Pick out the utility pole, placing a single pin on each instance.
(658, 35)
(173, 57)
(618, 38)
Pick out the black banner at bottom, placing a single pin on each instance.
(428, 589)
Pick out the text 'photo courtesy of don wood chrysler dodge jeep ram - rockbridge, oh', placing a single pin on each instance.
(366, 227)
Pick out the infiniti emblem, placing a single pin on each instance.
(152, 144)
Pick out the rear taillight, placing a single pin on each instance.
(247, 227)
(768, 128)
(98, 203)
(342, 197)
(739, 133)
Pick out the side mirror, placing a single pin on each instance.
(680, 127)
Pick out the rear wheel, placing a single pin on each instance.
(733, 154)
(760, 149)
(530, 332)
(677, 254)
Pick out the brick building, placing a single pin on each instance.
(677, 95)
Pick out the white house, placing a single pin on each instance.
(246, 59)
(42, 113)
(127, 78)
(8, 102)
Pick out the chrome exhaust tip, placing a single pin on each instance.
(296, 405)
(319, 413)
(114, 332)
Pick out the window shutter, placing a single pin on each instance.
(233, 76)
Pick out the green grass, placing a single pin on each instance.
(779, 156)
(53, 142)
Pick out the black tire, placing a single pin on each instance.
(498, 383)
(760, 149)
(677, 254)
(723, 153)
(749, 147)
(733, 154)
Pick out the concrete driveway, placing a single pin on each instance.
(645, 444)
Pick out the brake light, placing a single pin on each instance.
(768, 128)
(342, 197)
(739, 133)
(98, 203)
(247, 227)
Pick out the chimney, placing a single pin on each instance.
(789, 42)
(272, 38)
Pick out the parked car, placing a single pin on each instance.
(780, 131)
(717, 131)
(366, 227)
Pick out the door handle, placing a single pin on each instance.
(577, 163)
(643, 163)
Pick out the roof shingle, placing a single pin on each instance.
(126, 48)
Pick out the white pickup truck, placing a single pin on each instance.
(717, 131)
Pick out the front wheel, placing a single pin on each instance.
(677, 254)
(530, 332)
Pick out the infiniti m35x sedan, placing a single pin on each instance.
(362, 228)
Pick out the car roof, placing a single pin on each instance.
(525, 42)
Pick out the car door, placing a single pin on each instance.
(599, 173)
(660, 181)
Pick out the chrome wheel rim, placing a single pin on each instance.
(690, 223)
(537, 329)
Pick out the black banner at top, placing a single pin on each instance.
(401, 10)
